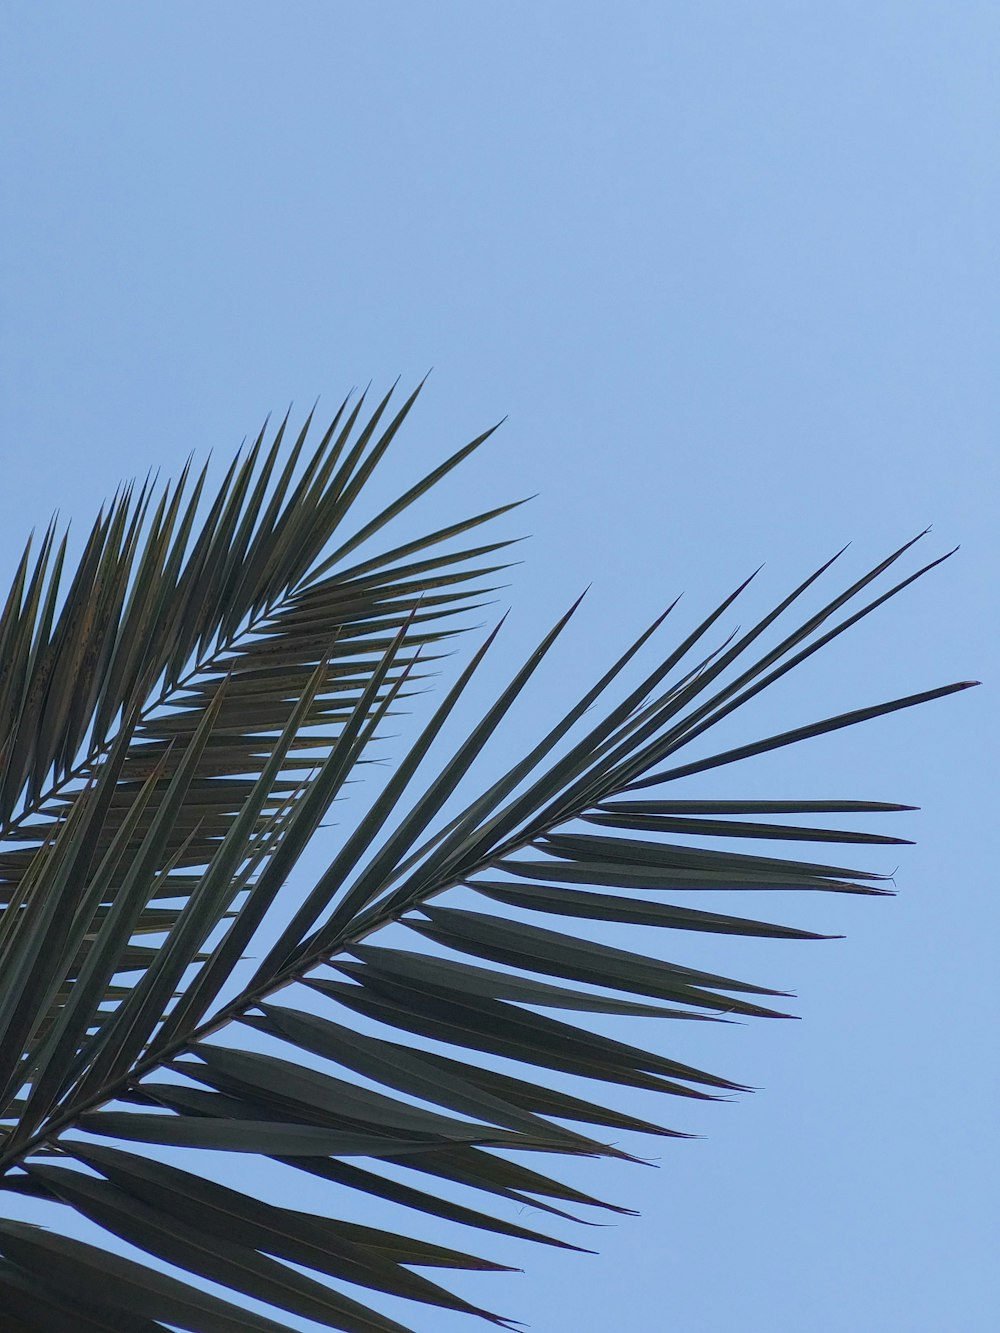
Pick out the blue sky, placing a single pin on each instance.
(730, 270)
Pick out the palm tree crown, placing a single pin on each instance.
(177, 716)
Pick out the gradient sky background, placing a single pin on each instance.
(731, 269)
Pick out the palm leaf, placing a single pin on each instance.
(174, 792)
(157, 617)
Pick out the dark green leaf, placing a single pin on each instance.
(74, 1269)
(604, 907)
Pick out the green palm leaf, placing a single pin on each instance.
(158, 616)
(175, 727)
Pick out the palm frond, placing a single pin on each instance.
(430, 947)
(159, 616)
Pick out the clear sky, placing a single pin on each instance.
(731, 269)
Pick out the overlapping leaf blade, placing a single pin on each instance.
(156, 617)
